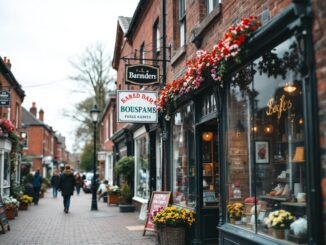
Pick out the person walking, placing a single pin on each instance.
(67, 185)
(55, 183)
(79, 183)
(37, 182)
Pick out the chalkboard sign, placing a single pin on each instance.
(159, 199)
(4, 224)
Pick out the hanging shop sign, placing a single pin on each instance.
(4, 99)
(137, 106)
(142, 74)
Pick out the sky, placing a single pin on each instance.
(40, 36)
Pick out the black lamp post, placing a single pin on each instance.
(94, 116)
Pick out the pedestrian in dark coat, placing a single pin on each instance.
(67, 185)
(55, 183)
(37, 182)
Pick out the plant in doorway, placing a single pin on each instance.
(125, 169)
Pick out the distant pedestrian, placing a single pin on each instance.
(55, 183)
(37, 182)
(67, 185)
(79, 182)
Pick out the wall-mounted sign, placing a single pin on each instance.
(274, 107)
(137, 106)
(4, 99)
(142, 74)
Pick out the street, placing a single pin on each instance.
(46, 223)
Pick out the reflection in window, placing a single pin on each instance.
(142, 168)
(274, 174)
(184, 173)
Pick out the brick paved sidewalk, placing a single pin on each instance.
(46, 223)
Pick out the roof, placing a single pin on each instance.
(140, 8)
(28, 119)
(11, 79)
(124, 23)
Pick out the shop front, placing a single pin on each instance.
(245, 156)
(271, 146)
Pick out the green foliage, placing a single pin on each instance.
(86, 158)
(27, 179)
(18, 190)
(125, 194)
(44, 187)
(47, 182)
(125, 167)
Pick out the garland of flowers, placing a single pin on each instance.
(215, 63)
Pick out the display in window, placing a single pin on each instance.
(266, 158)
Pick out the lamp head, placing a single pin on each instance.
(94, 114)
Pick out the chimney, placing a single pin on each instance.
(33, 109)
(41, 115)
(7, 62)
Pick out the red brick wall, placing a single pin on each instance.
(319, 35)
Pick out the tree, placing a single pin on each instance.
(93, 72)
(86, 158)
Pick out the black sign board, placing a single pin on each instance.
(4, 99)
(4, 224)
(142, 74)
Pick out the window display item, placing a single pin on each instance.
(237, 191)
(301, 197)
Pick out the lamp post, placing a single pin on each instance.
(94, 116)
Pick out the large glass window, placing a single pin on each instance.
(265, 150)
(184, 171)
(142, 168)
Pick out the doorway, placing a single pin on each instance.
(209, 179)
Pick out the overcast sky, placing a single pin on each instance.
(40, 36)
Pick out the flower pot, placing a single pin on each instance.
(279, 233)
(113, 199)
(42, 194)
(172, 235)
(10, 213)
(232, 221)
(126, 208)
(23, 206)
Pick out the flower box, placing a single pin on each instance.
(113, 199)
(10, 213)
(23, 206)
(172, 235)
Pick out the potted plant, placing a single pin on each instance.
(235, 212)
(24, 201)
(125, 169)
(113, 195)
(279, 221)
(11, 205)
(43, 190)
(171, 223)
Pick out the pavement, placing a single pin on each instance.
(46, 223)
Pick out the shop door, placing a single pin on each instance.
(209, 182)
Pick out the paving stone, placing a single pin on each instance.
(46, 224)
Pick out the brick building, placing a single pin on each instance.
(12, 96)
(260, 136)
(44, 149)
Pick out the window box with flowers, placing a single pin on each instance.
(171, 224)
(11, 205)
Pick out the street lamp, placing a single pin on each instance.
(94, 116)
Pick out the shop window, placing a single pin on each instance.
(184, 171)
(142, 167)
(265, 146)
(210, 5)
(182, 22)
(208, 105)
